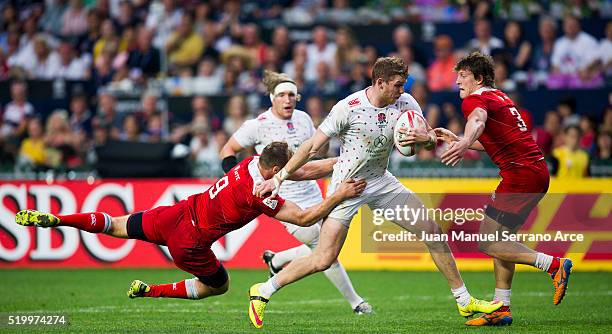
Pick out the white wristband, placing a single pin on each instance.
(282, 175)
(277, 182)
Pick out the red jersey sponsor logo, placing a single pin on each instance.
(354, 102)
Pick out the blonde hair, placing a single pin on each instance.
(57, 121)
(272, 79)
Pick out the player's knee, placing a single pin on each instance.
(485, 247)
(221, 290)
(491, 248)
(322, 265)
(437, 246)
(206, 290)
(323, 262)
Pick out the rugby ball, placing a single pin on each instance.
(409, 119)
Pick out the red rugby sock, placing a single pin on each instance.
(172, 290)
(554, 265)
(94, 222)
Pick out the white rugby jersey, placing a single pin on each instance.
(366, 133)
(267, 128)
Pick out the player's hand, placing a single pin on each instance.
(411, 136)
(266, 188)
(446, 135)
(350, 188)
(456, 151)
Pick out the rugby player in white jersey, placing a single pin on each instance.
(364, 122)
(282, 122)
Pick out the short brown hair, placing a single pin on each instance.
(480, 65)
(276, 153)
(388, 67)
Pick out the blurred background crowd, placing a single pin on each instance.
(79, 75)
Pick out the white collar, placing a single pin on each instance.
(254, 169)
(482, 90)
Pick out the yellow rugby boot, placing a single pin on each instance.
(257, 306)
(137, 289)
(478, 306)
(36, 218)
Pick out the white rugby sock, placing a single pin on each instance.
(288, 255)
(269, 288)
(338, 276)
(462, 295)
(503, 295)
(543, 261)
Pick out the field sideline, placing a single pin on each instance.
(95, 301)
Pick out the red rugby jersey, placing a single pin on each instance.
(506, 138)
(229, 204)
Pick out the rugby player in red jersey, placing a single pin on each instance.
(191, 226)
(494, 125)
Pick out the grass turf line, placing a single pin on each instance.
(96, 301)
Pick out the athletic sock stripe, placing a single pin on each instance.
(107, 222)
(194, 289)
(190, 286)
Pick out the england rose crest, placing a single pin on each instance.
(381, 120)
(290, 127)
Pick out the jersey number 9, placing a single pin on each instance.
(214, 190)
(521, 124)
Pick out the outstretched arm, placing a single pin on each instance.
(292, 213)
(304, 153)
(314, 170)
(418, 135)
(449, 137)
(473, 129)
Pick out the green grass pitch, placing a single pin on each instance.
(405, 302)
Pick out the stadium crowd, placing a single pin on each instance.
(202, 49)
